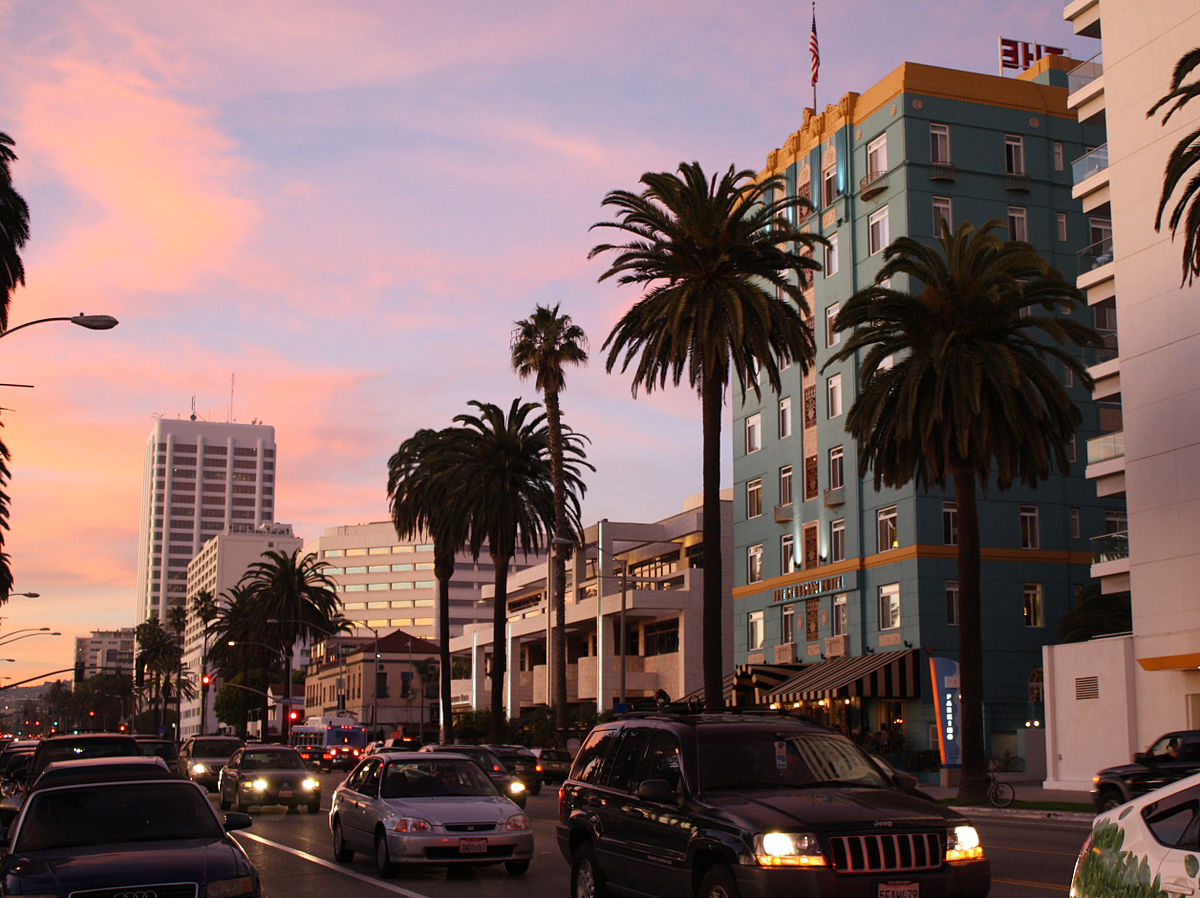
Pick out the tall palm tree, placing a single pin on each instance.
(724, 272)
(542, 346)
(176, 624)
(14, 232)
(422, 475)
(1184, 158)
(237, 647)
(157, 655)
(296, 593)
(206, 609)
(969, 396)
(506, 491)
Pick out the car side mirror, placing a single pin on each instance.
(904, 781)
(1141, 756)
(658, 791)
(237, 820)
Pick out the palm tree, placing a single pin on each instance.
(206, 609)
(237, 649)
(506, 492)
(725, 272)
(542, 345)
(422, 475)
(157, 655)
(294, 592)
(1184, 158)
(14, 232)
(177, 623)
(969, 396)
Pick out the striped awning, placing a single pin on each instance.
(876, 675)
(747, 686)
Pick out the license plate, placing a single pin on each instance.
(285, 793)
(898, 890)
(472, 846)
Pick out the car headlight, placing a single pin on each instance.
(411, 825)
(229, 888)
(516, 787)
(775, 849)
(259, 785)
(199, 769)
(962, 844)
(310, 784)
(517, 822)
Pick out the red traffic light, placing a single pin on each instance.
(206, 680)
(293, 715)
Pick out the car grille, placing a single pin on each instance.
(154, 890)
(886, 853)
(470, 827)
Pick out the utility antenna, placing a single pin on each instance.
(229, 420)
(193, 418)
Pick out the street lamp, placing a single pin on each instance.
(91, 322)
(28, 632)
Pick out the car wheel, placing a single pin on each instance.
(516, 868)
(341, 853)
(586, 879)
(1109, 799)
(718, 882)
(383, 864)
(225, 803)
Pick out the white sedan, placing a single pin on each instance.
(427, 808)
(1149, 846)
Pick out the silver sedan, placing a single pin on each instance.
(427, 808)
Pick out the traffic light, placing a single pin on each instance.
(206, 680)
(293, 716)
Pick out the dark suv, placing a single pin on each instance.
(1172, 756)
(755, 805)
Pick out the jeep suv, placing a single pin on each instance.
(1172, 757)
(755, 805)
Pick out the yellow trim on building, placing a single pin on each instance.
(1188, 661)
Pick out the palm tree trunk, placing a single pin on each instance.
(558, 632)
(499, 646)
(973, 783)
(446, 729)
(712, 619)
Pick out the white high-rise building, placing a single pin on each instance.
(199, 477)
(105, 652)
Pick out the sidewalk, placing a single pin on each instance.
(1026, 792)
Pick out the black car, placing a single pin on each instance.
(556, 763)
(521, 763)
(1171, 757)
(76, 746)
(711, 805)
(202, 757)
(159, 747)
(125, 837)
(268, 775)
(510, 787)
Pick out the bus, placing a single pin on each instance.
(331, 743)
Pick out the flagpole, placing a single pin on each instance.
(816, 54)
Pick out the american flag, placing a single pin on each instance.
(812, 45)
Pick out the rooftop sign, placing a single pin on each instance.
(1020, 55)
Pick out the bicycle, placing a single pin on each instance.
(999, 795)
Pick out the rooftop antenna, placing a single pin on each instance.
(193, 418)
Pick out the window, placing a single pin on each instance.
(877, 230)
(837, 541)
(1076, 529)
(829, 186)
(1014, 154)
(787, 625)
(753, 433)
(837, 470)
(833, 394)
(877, 156)
(949, 524)
(754, 556)
(885, 518)
(832, 337)
(785, 417)
(831, 256)
(942, 213)
(839, 615)
(952, 603)
(1029, 527)
(939, 143)
(1058, 155)
(1033, 605)
(1060, 225)
(1017, 229)
(787, 553)
(1068, 377)
(1100, 230)
(754, 498)
(889, 606)
(1071, 454)
(754, 630)
(785, 485)
(1115, 521)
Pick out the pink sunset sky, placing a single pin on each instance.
(327, 216)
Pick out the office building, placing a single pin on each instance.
(104, 652)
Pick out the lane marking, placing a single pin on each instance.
(330, 865)
(1035, 885)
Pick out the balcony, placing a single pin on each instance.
(835, 646)
(1017, 180)
(1085, 73)
(1092, 257)
(783, 513)
(785, 653)
(942, 171)
(1098, 355)
(1106, 447)
(1110, 547)
(871, 184)
(1090, 163)
(835, 497)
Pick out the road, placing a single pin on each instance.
(1030, 858)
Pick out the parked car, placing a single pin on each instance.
(427, 808)
(1171, 757)
(1145, 847)
(510, 787)
(268, 775)
(521, 763)
(123, 836)
(716, 804)
(202, 757)
(556, 763)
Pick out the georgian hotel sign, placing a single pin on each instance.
(809, 588)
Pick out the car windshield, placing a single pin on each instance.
(164, 749)
(741, 759)
(271, 760)
(68, 750)
(412, 779)
(115, 813)
(212, 748)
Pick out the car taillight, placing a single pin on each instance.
(537, 768)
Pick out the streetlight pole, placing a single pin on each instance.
(18, 635)
(90, 322)
(341, 654)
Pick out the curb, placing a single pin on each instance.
(1078, 817)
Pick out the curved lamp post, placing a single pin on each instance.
(91, 322)
(28, 632)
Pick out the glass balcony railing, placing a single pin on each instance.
(1084, 73)
(1099, 253)
(1090, 163)
(1110, 547)
(1098, 355)
(1106, 447)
